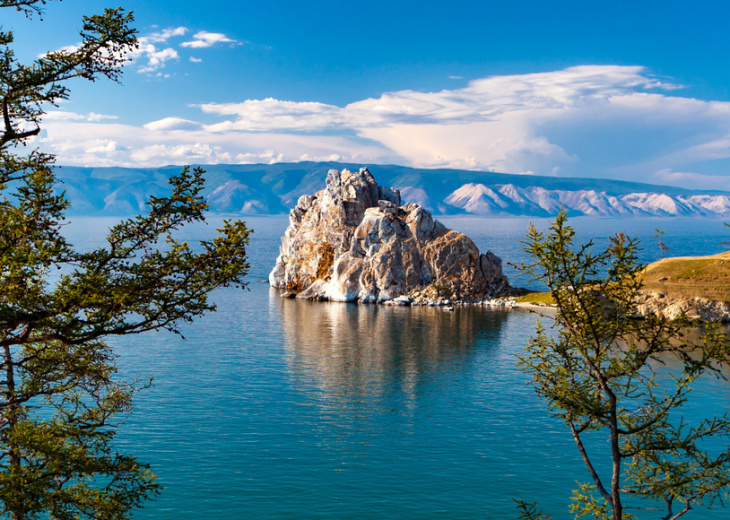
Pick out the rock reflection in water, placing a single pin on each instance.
(358, 354)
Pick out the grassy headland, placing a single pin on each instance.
(536, 298)
(691, 277)
(684, 277)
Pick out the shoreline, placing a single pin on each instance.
(652, 303)
(507, 303)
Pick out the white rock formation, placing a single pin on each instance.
(353, 241)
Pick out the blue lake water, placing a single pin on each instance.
(275, 408)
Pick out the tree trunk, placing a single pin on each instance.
(616, 457)
(11, 416)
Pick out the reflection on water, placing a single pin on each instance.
(354, 353)
(277, 409)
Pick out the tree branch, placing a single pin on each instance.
(589, 465)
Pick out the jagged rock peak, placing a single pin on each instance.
(354, 241)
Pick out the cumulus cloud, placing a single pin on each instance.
(147, 55)
(492, 123)
(590, 121)
(185, 153)
(164, 35)
(161, 143)
(273, 114)
(157, 59)
(151, 59)
(203, 39)
(482, 100)
(101, 146)
(154, 50)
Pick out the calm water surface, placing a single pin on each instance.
(276, 408)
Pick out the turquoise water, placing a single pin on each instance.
(276, 408)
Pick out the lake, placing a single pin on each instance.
(275, 408)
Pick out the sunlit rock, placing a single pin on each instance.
(354, 241)
(672, 307)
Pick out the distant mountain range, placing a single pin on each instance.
(274, 189)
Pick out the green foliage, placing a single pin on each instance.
(59, 393)
(601, 371)
(529, 511)
(587, 505)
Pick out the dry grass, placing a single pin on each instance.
(691, 276)
(683, 277)
(536, 298)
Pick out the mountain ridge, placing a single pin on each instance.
(275, 189)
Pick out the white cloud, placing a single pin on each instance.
(272, 114)
(172, 123)
(265, 157)
(591, 121)
(581, 121)
(66, 48)
(204, 39)
(333, 157)
(185, 153)
(150, 58)
(164, 35)
(101, 146)
(147, 55)
(157, 59)
(697, 180)
(481, 101)
(62, 115)
(161, 143)
(490, 124)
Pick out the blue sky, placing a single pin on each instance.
(625, 90)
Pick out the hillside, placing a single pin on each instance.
(275, 188)
(697, 287)
(691, 277)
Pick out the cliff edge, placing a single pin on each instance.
(697, 287)
(354, 241)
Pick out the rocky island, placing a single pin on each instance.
(354, 242)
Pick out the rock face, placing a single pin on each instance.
(672, 307)
(353, 241)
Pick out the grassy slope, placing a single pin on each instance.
(691, 276)
(683, 277)
(536, 298)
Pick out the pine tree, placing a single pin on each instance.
(604, 373)
(60, 398)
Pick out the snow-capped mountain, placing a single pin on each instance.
(507, 199)
(275, 188)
